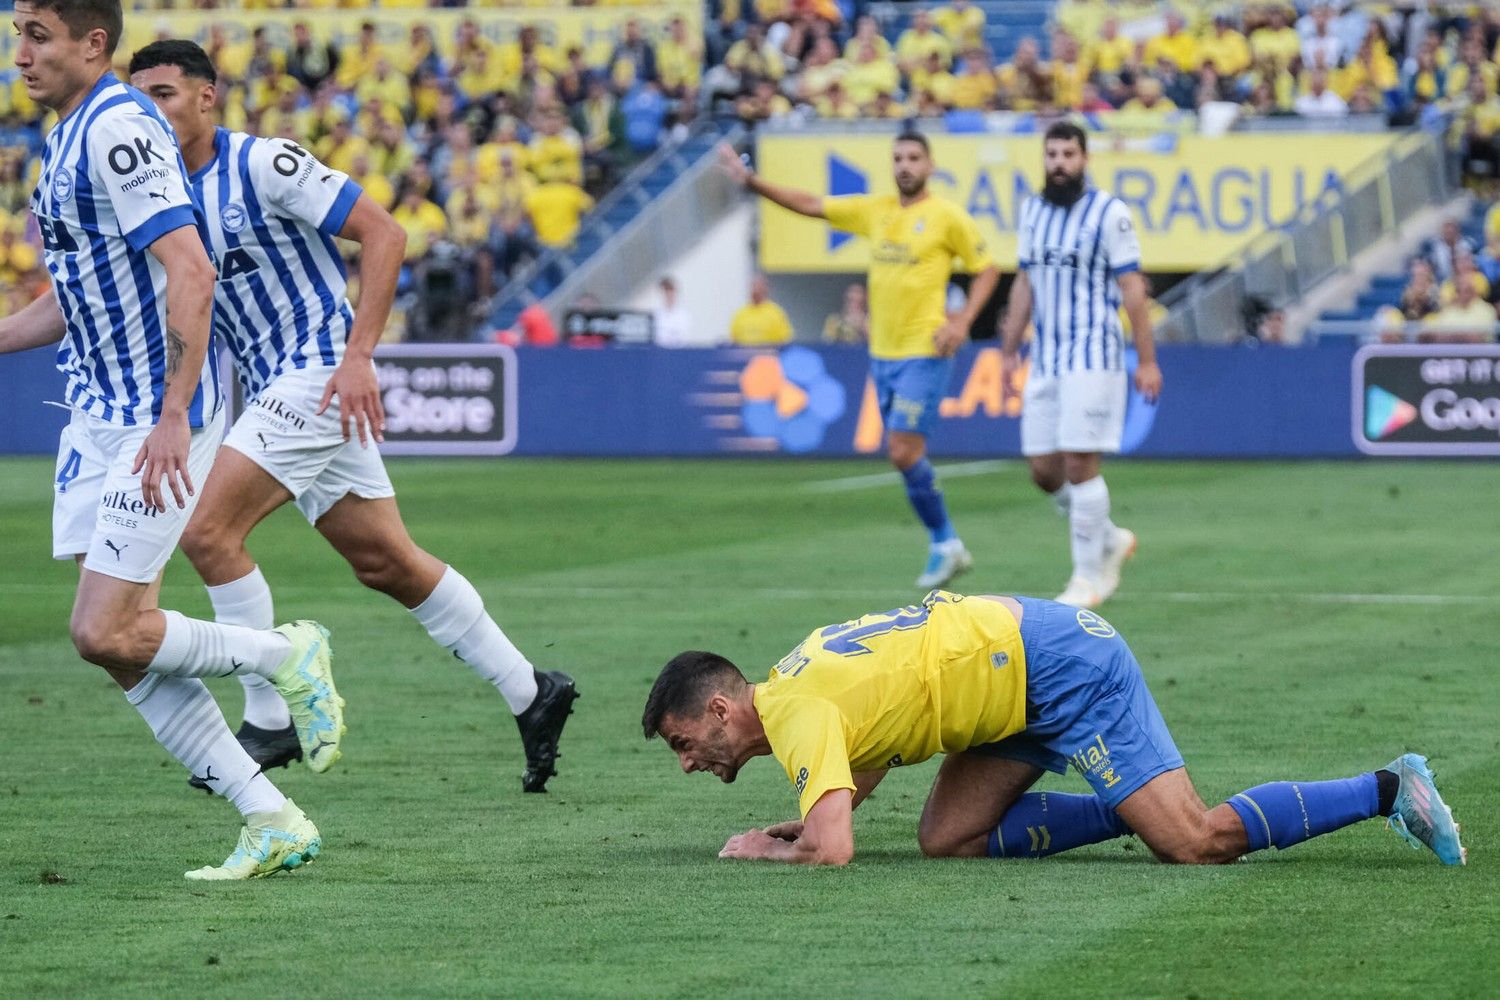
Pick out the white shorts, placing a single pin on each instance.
(97, 510)
(1080, 412)
(282, 433)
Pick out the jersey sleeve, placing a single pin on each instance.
(1122, 244)
(133, 163)
(850, 212)
(809, 742)
(968, 245)
(293, 183)
(1024, 235)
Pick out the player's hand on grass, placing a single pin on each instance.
(790, 830)
(1148, 381)
(164, 453)
(752, 845)
(731, 164)
(949, 338)
(358, 390)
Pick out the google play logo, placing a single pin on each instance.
(1385, 413)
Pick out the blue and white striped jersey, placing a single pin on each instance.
(281, 302)
(113, 182)
(1072, 257)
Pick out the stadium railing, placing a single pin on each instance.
(1278, 267)
(1377, 330)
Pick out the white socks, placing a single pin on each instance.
(247, 602)
(1088, 519)
(1062, 498)
(454, 616)
(193, 648)
(187, 722)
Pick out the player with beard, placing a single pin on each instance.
(914, 238)
(1079, 258)
(1006, 688)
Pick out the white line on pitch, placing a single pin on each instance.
(955, 471)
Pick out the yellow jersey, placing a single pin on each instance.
(894, 688)
(760, 325)
(912, 249)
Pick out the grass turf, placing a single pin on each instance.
(1255, 606)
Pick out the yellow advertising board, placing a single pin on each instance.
(593, 28)
(1196, 201)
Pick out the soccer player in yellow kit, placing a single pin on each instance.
(914, 239)
(1006, 687)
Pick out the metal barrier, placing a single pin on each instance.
(1380, 330)
(1280, 266)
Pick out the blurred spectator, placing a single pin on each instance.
(644, 112)
(867, 32)
(975, 84)
(761, 323)
(423, 221)
(851, 324)
(555, 208)
(753, 58)
(555, 150)
(764, 102)
(634, 59)
(1277, 40)
(1069, 72)
(1025, 82)
(1174, 44)
(673, 324)
(1226, 49)
(679, 62)
(310, 62)
(601, 126)
(1149, 98)
(1442, 249)
(1318, 101)
(1467, 319)
(921, 40)
(1464, 264)
(870, 75)
(962, 22)
(1322, 46)
(1112, 52)
(1419, 298)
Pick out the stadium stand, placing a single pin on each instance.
(515, 142)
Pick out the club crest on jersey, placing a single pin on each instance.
(920, 226)
(62, 184)
(233, 217)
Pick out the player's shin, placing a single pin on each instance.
(193, 648)
(927, 500)
(454, 615)
(1045, 823)
(247, 602)
(1088, 519)
(1283, 813)
(188, 724)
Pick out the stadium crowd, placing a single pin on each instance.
(489, 151)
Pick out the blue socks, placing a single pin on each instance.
(927, 500)
(1284, 813)
(1043, 823)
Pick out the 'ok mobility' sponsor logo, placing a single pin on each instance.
(1427, 400)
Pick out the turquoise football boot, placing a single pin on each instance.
(1420, 815)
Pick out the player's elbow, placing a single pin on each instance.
(195, 271)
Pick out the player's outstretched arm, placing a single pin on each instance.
(382, 244)
(39, 324)
(827, 836)
(190, 298)
(792, 199)
(1138, 307)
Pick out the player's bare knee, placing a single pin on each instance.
(379, 571)
(935, 841)
(204, 544)
(904, 454)
(97, 640)
(1047, 480)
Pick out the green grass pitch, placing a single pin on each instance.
(1260, 605)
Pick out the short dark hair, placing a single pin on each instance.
(83, 16)
(186, 55)
(685, 685)
(1067, 130)
(912, 135)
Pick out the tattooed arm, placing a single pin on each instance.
(190, 297)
